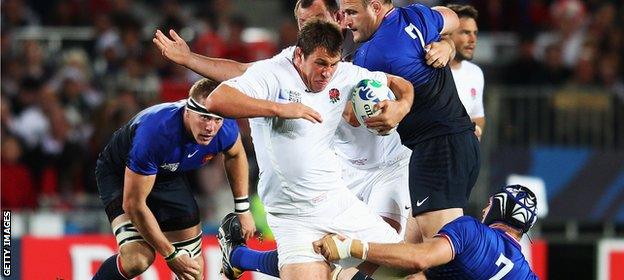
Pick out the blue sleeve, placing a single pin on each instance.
(460, 232)
(145, 153)
(430, 22)
(375, 61)
(228, 134)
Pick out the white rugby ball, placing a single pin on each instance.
(364, 96)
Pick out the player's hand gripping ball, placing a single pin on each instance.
(365, 95)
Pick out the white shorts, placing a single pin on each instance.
(384, 189)
(346, 215)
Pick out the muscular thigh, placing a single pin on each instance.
(313, 271)
(390, 196)
(384, 189)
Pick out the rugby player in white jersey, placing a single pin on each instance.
(467, 75)
(300, 175)
(373, 166)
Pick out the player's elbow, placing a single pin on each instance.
(419, 263)
(417, 266)
(213, 103)
(219, 100)
(451, 20)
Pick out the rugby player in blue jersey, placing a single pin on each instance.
(142, 183)
(445, 160)
(463, 249)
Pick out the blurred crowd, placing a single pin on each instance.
(60, 106)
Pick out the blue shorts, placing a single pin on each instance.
(442, 172)
(171, 200)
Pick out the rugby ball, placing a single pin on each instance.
(364, 96)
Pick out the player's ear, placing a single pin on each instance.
(299, 53)
(376, 5)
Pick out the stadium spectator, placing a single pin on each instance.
(17, 187)
(236, 48)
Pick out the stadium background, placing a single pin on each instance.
(73, 71)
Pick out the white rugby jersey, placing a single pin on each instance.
(358, 146)
(298, 166)
(469, 82)
(365, 150)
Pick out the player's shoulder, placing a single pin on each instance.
(470, 72)
(419, 9)
(269, 63)
(229, 128)
(280, 60)
(415, 7)
(466, 220)
(277, 65)
(286, 53)
(160, 115)
(472, 67)
(227, 135)
(345, 67)
(464, 223)
(159, 126)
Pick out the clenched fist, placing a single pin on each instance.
(334, 247)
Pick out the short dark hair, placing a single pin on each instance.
(202, 88)
(464, 11)
(331, 5)
(319, 33)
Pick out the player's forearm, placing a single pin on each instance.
(231, 103)
(145, 222)
(218, 69)
(450, 42)
(399, 255)
(136, 189)
(237, 168)
(403, 90)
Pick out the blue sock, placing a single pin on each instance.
(252, 260)
(108, 270)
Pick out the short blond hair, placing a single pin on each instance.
(202, 89)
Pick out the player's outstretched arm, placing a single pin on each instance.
(237, 170)
(230, 102)
(136, 189)
(405, 256)
(178, 51)
(392, 112)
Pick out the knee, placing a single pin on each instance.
(136, 261)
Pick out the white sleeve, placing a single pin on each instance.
(259, 81)
(478, 111)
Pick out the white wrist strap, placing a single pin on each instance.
(343, 246)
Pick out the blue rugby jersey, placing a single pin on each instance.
(398, 48)
(481, 252)
(155, 141)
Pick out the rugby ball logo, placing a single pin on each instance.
(365, 95)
